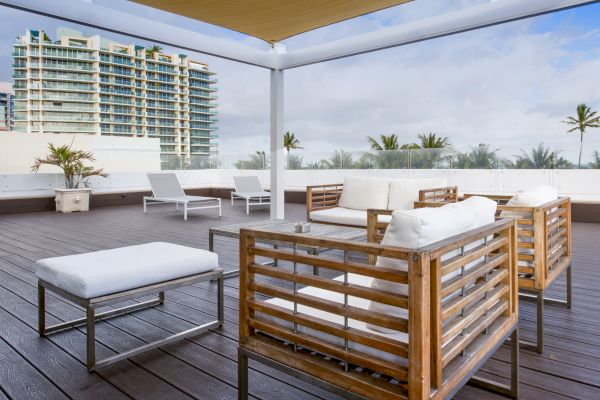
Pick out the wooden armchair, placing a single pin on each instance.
(544, 251)
(440, 343)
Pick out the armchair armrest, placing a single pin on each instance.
(447, 194)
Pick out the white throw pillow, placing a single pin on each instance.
(414, 229)
(362, 193)
(404, 192)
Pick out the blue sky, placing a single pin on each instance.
(509, 85)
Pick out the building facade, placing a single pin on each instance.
(90, 85)
(7, 106)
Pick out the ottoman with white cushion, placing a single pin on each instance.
(106, 277)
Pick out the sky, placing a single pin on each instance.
(509, 85)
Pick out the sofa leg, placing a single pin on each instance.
(41, 310)
(514, 364)
(569, 286)
(540, 322)
(242, 375)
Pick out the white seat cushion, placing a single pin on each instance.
(344, 216)
(360, 193)
(413, 229)
(105, 272)
(404, 192)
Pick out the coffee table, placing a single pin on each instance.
(316, 230)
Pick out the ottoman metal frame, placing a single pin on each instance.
(90, 306)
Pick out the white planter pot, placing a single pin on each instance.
(69, 200)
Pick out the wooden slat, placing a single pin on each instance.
(324, 347)
(380, 296)
(368, 316)
(473, 294)
(459, 261)
(373, 340)
(472, 274)
(388, 274)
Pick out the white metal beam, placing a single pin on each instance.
(112, 20)
(494, 13)
(277, 154)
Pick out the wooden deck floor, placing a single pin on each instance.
(205, 367)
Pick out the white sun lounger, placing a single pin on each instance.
(248, 188)
(166, 189)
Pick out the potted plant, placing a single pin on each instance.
(76, 195)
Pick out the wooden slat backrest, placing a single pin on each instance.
(448, 194)
(321, 197)
(448, 313)
(543, 239)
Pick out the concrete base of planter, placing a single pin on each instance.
(70, 200)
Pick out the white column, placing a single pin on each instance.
(277, 155)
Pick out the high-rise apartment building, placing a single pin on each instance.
(80, 84)
(7, 106)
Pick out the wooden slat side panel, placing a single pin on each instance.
(321, 197)
(447, 194)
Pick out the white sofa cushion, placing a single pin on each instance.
(362, 193)
(105, 272)
(404, 192)
(533, 197)
(344, 216)
(414, 229)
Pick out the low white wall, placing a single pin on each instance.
(581, 185)
(113, 153)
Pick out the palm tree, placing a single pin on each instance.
(339, 160)
(595, 159)
(290, 142)
(480, 157)
(150, 51)
(541, 157)
(586, 118)
(72, 164)
(387, 143)
(432, 141)
(258, 160)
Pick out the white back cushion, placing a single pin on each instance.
(404, 192)
(529, 198)
(362, 193)
(414, 229)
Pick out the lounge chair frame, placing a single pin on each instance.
(447, 341)
(90, 306)
(322, 197)
(256, 197)
(178, 197)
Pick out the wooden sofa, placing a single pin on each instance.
(438, 347)
(327, 197)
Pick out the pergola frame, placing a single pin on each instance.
(277, 59)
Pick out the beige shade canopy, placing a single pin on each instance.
(271, 20)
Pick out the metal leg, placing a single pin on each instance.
(511, 390)
(144, 204)
(41, 310)
(161, 297)
(184, 211)
(247, 206)
(177, 206)
(569, 286)
(231, 199)
(315, 268)
(211, 241)
(514, 364)
(220, 300)
(540, 322)
(91, 339)
(242, 375)
(219, 200)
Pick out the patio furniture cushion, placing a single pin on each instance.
(344, 216)
(99, 273)
(414, 229)
(362, 193)
(404, 192)
(529, 198)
